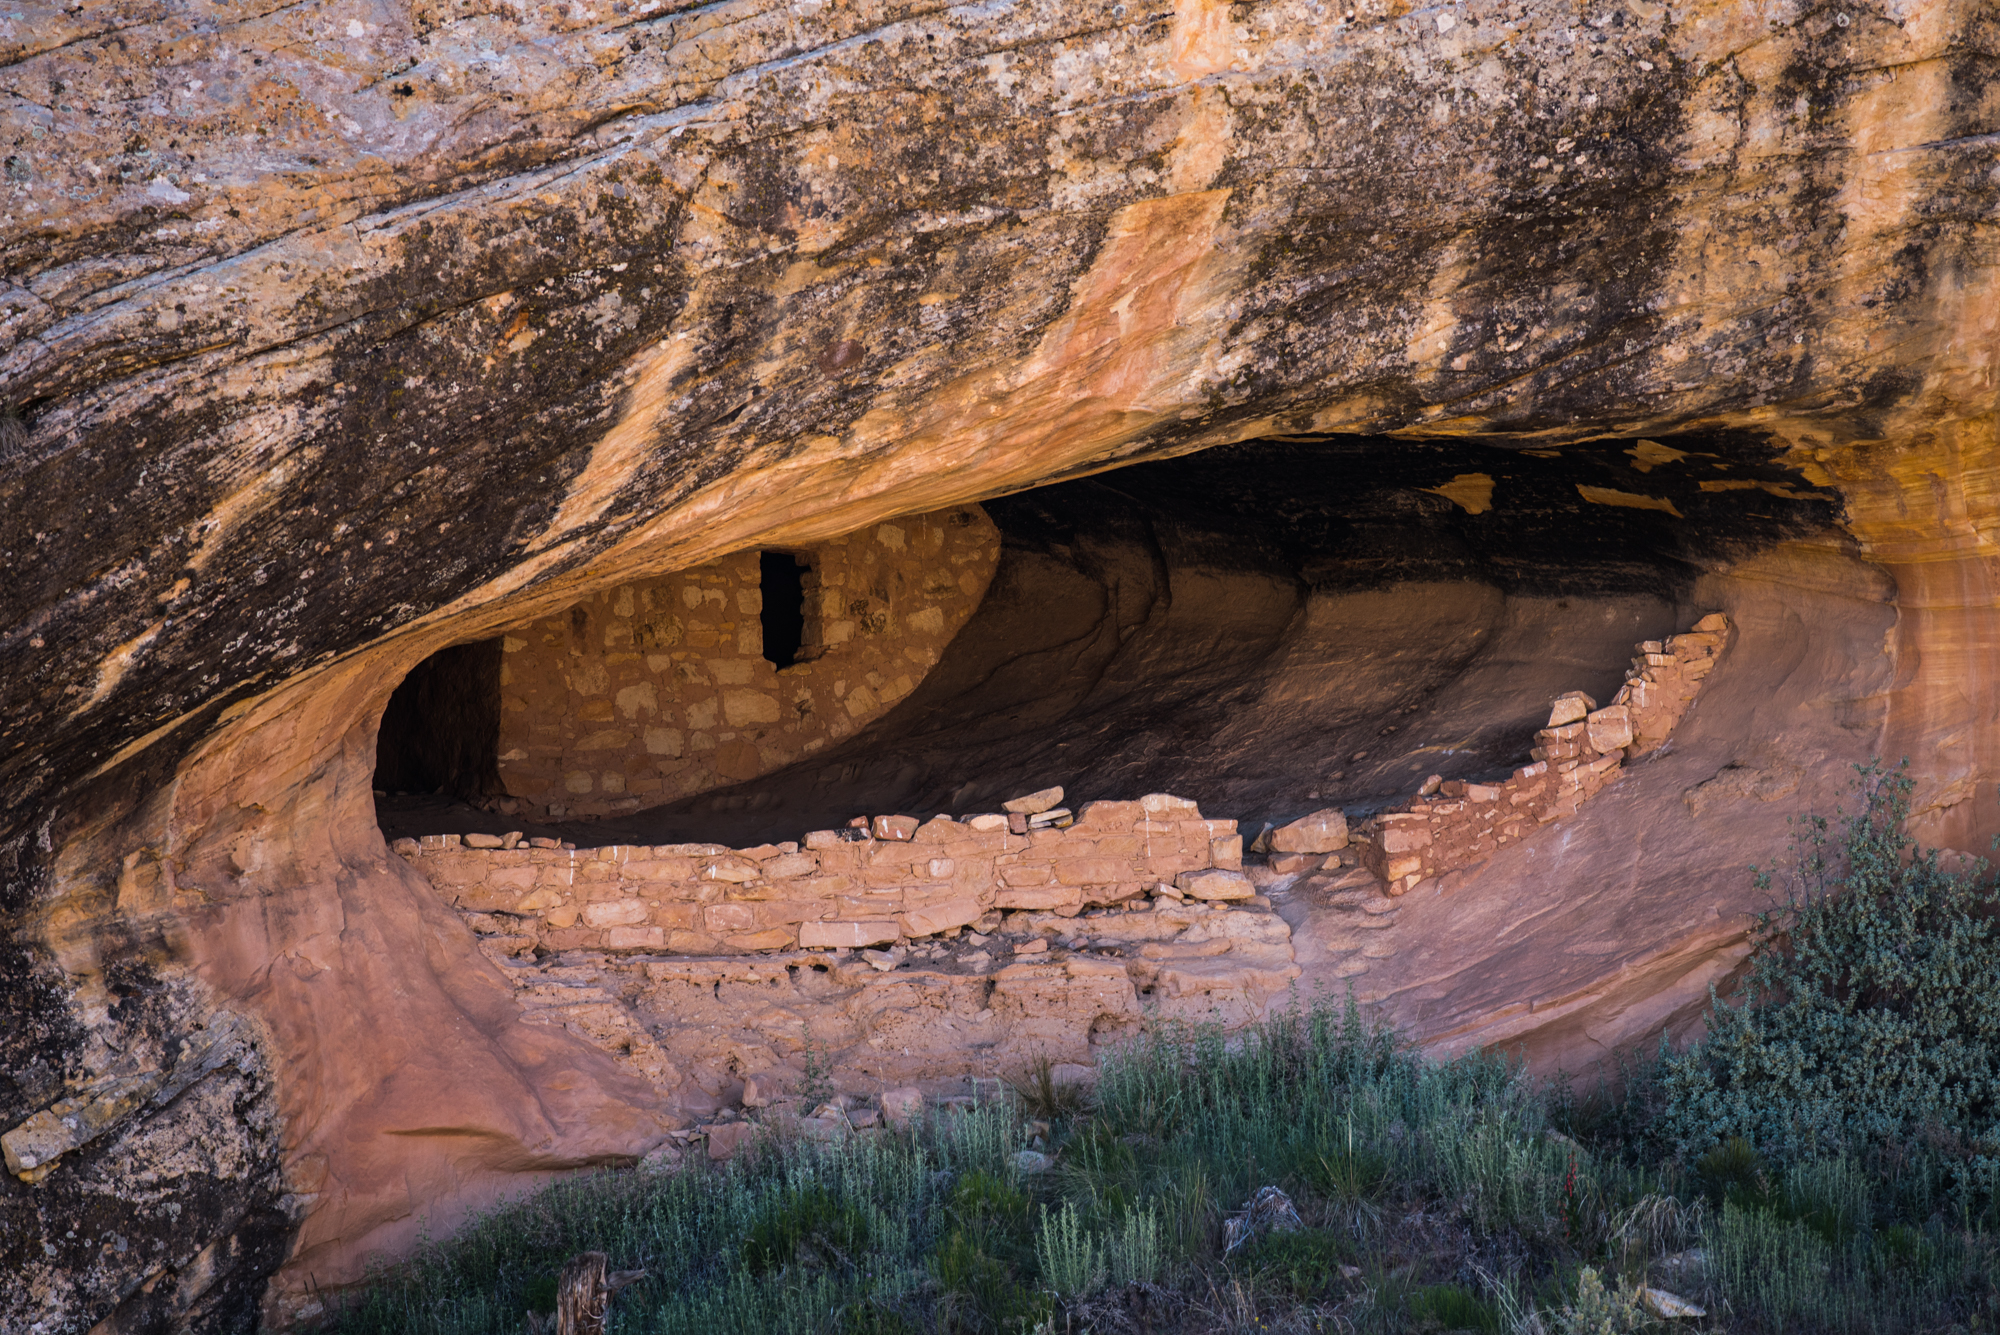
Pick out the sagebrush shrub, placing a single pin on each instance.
(1871, 1010)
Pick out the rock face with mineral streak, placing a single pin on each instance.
(330, 337)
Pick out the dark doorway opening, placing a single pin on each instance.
(441, 731)
(784, 615)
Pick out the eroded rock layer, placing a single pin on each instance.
(332, 337)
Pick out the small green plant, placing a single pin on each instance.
(1072, 1263)
(1861, 1020)
(1043, 1095)
(540, 1295)
(1734, 1172)
(1132, 1249)
(814, 1086)
(1597, 1310)
(1305, 1263)
(1447, 1307)
(982, 1295)
(809, 1227)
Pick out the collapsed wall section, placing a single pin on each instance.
(659, 689)
(1453, 824)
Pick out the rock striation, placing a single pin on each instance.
(332, 337)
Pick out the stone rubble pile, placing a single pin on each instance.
(1452, 824)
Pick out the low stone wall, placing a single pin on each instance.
(842, 888)
(906, 951)
(1452, 825)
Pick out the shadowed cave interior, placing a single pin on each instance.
(1267, 628)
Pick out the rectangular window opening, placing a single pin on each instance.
(786, 578)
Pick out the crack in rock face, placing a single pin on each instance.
(334, 338)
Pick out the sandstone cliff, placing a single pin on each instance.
(335, 334)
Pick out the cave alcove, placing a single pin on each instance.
(1265, 627)
(440, 731)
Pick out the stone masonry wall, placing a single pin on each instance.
(844, 888)
(659, 689)
(1451, 824)
(903, 950)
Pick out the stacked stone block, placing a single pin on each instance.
(659, 689)
(1454, 824)
(839, 889)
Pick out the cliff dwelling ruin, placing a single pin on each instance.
(1033, 771)
(560, 556)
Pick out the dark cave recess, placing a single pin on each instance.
(1278, 625)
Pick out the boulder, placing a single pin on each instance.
(1321, 832)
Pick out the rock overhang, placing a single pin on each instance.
(289, 418)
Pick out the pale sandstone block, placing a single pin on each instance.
(745, 709)
(822, 840)
(1215, 885)
(561, 917)
(934, 918)
(902, 1106)
(1039, 898)
(1321, 832)
(789, 866)
(1610, 729)
(512, 878)
(852, 934)
(546, 898)
(1026, 875)
(940, 869)
(736, 871)
(1092, 871)
(1034, 804)
(483, 898)
(1111, 815)
(988, 824)
(615, 913)
(1167, 806)
(939, 830)
(1481, 792)
(788, 912)
(728, 1139)
(898, 828)
(774, 938)
(1227, 853)
(658, 869)
(674, 917)
(635, 938)
(692, 943)
(720, 918)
